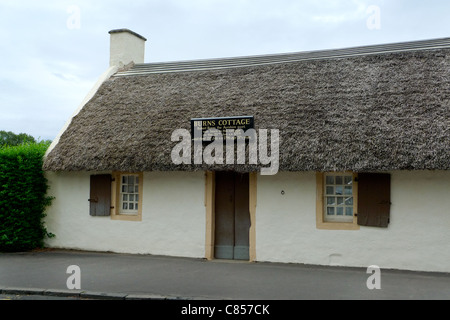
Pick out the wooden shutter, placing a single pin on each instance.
(100, 195)
(374, 199)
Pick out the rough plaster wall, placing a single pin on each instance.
(173, 221)
(418, 236)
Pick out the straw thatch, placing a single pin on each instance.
(376, 112)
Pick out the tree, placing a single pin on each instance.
(12, 139)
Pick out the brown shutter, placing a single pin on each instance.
(374, 199)
(100, 195)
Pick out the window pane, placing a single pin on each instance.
(348, 190)
(339, 190)
(136, 189)
(130, 189)
(125, 206)
(349, 211)
(125, 180)
(330, 211)
(130, 179)
(136, 180)
(339, 180)
(137, 197)
(125, 197)
(340, 211)
(331, 201)
(131, 197)
(340, 201)
(348, 180)
(349, 201)
(136, 206)
(330, 190)
(330, 179)
(131, 206)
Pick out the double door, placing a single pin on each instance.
(232, 216)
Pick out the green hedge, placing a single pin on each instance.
(23, 197)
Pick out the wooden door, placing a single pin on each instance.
(232, 216)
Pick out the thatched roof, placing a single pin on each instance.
(361, 110)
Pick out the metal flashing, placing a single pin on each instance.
(236, 62)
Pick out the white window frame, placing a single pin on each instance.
(118, 213)
(336, 199)
(128, 206)
(335, 223)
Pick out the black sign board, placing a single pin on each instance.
(200, 126)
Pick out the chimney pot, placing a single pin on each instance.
(126, 46)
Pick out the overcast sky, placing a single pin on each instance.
(52, 52)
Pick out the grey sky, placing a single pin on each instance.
(52, 52)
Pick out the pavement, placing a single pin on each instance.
(108, 276)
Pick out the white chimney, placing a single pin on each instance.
(126, 47)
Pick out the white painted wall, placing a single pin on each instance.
(125, 48)
(418, 237)
(173, 217)
(174, 222)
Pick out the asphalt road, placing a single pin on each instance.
(179, 278)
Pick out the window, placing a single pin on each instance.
(127, 196)
(337, 201)
(338, 197)
(346, 201)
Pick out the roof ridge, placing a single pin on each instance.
(257, 60)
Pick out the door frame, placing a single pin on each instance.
(210, 188)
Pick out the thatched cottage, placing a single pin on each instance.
(362, 165)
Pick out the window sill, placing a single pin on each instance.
(337, 226)
(124, 217)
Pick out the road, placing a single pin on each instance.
(165, 277)
(11, 297)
